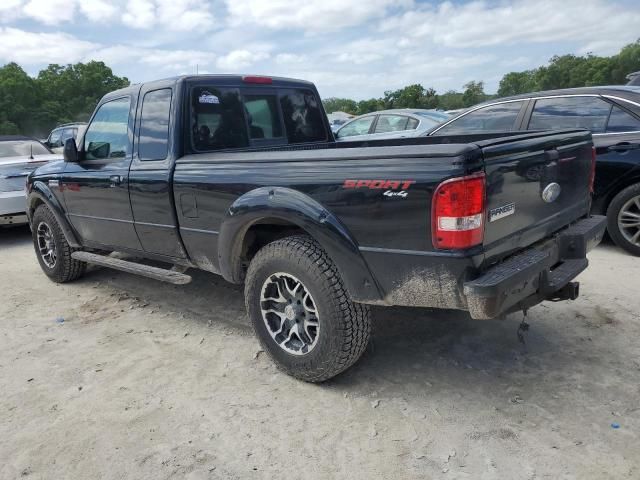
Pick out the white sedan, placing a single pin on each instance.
(19, 156)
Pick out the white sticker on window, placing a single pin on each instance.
(206, 97)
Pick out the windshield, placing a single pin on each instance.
(22, 148)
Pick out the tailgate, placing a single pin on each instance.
(535, 186)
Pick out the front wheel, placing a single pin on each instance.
(52, 249)
(623, 219)
(301, 312)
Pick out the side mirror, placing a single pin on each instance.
(70, 151)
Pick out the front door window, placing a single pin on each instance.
(108, 135)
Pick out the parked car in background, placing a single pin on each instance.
(19, 156)
(634, 79)
(59, 135)
(396, 123)
(613, 116)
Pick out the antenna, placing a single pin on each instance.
(196, 69)
(31, 153)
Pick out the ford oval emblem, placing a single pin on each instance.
(551, 192)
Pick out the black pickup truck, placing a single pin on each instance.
(240, 176)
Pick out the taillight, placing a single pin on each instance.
(592, 174)
(458, 212)
(257, 79)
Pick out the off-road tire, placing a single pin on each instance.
(345, 326)
(66, 269)
(613, 212)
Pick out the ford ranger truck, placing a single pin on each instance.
(240, 176)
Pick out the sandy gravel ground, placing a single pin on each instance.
(143, 380)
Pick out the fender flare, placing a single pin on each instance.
(296, 208)
(40, 191)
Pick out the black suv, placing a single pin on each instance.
(613, 116)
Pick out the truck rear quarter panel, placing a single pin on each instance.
(380, 197)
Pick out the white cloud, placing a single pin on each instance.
(177, 15)
(97, 10)
(139, 14)
(50, 12)
(41, 48)
(482, 24)
(310, 15)
(28, 48)
(9, 10)
(290, 58)
(239, 59)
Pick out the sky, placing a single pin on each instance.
(349, 48)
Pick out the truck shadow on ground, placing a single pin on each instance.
(410, 347)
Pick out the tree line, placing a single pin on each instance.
(563, 71)
(59, 94)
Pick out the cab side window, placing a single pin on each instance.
(570, 112)
(217, 119)
(154, 125)
(108, 134)
(493, 118)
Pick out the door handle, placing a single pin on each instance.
(115, 180)
(622, 147)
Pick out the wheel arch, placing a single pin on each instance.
(281, 212)
(41, 194)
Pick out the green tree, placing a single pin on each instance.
(70, 93)
(626, 62)
(18, 100)
(334, 104)
(411, 96)
(371, 105)
(59, 94)
(473, 93)
(450, 100)
(514, 83)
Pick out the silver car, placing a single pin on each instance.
(19, 156)
(59, 135)
(396, 123)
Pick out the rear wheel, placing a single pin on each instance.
(52, 249)
(623, 219)
(301, 312)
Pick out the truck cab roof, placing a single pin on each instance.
(218, 80)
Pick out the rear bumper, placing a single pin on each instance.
(542, 272)
(12, 207)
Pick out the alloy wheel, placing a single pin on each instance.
(289, 313)
(629, 220)
(46, 245)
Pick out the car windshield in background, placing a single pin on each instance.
(22, 148)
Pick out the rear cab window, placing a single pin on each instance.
(229, 118)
